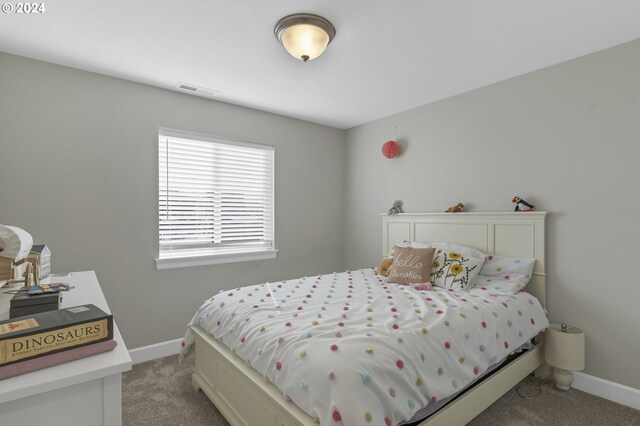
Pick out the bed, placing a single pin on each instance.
(320, 316)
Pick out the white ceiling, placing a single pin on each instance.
(388, 55)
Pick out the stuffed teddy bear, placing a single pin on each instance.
(384, 267)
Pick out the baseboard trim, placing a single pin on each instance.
(155, 351)
(612, 391)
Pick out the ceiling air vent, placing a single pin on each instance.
(190, 88)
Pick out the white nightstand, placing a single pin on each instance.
(87, 391)
(564, 351)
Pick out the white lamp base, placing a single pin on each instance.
(563, 378)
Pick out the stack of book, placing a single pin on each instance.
(37, 341)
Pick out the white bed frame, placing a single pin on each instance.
(245, 398)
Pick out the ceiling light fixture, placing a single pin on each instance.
(303, 35)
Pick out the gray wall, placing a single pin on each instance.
(566, 138)
(78, 170)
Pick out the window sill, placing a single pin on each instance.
(214, 259)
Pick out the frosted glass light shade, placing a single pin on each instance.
(305, 40)
(304, 36)
(564, 349)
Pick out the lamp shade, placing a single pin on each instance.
(564, 347)
(15, 243)
(304, 36)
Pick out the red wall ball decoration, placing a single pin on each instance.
(390, 149)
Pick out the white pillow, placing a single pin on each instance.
(467, 251)
(414, 244)
(454, 269)
(503, 273)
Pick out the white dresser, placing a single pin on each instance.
(85, 392)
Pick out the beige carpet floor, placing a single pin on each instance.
(159, 393)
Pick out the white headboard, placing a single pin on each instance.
(515, 234)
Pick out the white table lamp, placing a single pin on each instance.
(564, 351)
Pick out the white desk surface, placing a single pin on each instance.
(87, 290)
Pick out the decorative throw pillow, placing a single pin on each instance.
(503, 273)
(411, 265)
(452, 269)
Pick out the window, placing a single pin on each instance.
(215, 200)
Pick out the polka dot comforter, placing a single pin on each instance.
(349, 348)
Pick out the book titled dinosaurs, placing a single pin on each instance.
(46, 333)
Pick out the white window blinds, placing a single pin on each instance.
(215, 196)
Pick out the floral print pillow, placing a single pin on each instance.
(463, 250)
(452, 269)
